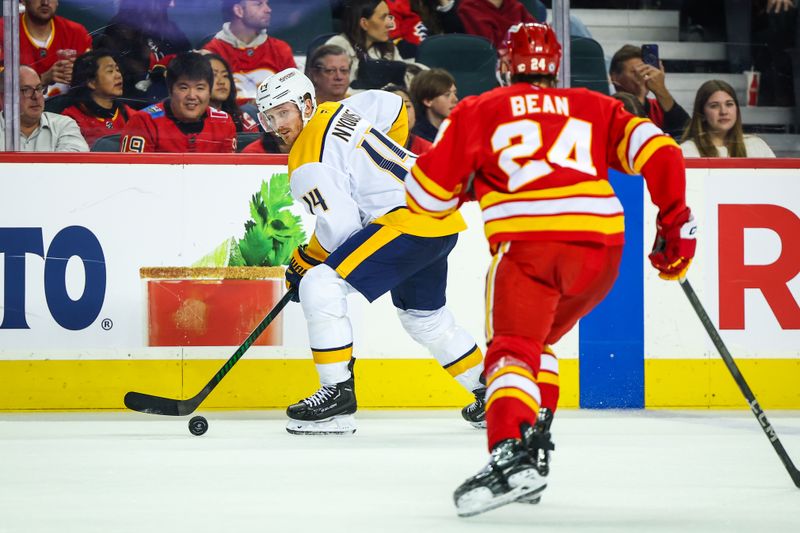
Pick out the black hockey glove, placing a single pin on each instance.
(298, 266)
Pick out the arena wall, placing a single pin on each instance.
(76, 330)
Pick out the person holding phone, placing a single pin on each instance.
(630, 72)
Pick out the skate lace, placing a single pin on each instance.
(320, 396)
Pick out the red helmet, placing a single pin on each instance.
(532, 48)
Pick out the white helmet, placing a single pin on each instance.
(289, 85)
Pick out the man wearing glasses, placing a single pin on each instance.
(328, 67)
(41, 131)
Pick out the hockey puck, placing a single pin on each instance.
(198, 425)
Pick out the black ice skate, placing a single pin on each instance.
(540, 445)
(510, 475)
(475, 413)
(329, 411)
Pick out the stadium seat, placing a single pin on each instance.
(471, 60)
(57, 103)
(108, 143)
(298, 22)
(316, 42)
(246, 137)
(588, 65)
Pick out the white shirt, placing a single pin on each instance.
(373, 53)
(754, 147)
(56, 133)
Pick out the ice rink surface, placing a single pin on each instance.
(613, 471)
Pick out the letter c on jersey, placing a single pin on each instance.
(71, 241)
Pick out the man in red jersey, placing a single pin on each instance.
(49, 44)
(184, 122)
(539, 158)
(243, 41)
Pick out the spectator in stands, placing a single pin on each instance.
(415, 143)
(96, 86)
(328, 68)
(366, 25)
(269, 143)
(434, 95)
(49, 43)
(184, 122)
(41, 131)
(629, 73)
(414, 20)
(144, 39)
(245, 45)
(631, 103)
(716, 126)
(223, 95)
(492, 18)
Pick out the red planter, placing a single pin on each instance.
(211, 306)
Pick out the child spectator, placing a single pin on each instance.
(184, 122)
(328, 68)
(40, 131)
(96, 86)
(49, 43)
(245, 45)
(716, 126)
(434, 95)
(492, 18)
(415, 143)
(223, 95)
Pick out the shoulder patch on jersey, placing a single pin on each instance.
(310, 143)
(155, 110)
(216, 113)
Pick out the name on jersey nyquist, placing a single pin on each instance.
(345, 125)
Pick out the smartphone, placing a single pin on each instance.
(650, 55)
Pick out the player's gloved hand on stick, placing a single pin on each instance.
(298, 266)
(675, 246)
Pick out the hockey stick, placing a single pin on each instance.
(158, 405)
(737, 376)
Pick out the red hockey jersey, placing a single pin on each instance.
(540, 159)
(407, 24)
(93, 126)
(64, 35)
(482, 18)
(250, 65)
(154, 130)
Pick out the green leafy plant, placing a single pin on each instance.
(270, 235)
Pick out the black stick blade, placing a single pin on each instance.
(154, 405)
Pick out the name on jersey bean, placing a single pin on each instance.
(539, 103)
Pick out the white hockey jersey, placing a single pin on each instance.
(347, 168)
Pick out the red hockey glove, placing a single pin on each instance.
(298, 266)
(674, 247)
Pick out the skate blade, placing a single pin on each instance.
(336, 425)
(478, 425)
(477, 501)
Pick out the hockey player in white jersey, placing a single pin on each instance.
(346, 167)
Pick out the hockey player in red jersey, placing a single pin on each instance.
(184, 122)
(536, 159)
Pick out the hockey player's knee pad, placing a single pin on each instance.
(323, 294)
(523, 348)
(431, 329)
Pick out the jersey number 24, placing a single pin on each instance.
(571, 149)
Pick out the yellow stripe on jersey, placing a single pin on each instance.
(307, 148)
(508, 392)
(430, 186)
(471, 360)
(584, 223)
(649, 149)
(333, 355)
(380, 239)
(410, 223)
(399, 130)
(622, 148)
(414, 207)
(315, 249)
(489, 304)
(510, 370)
(584, 188)
(547, 378)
